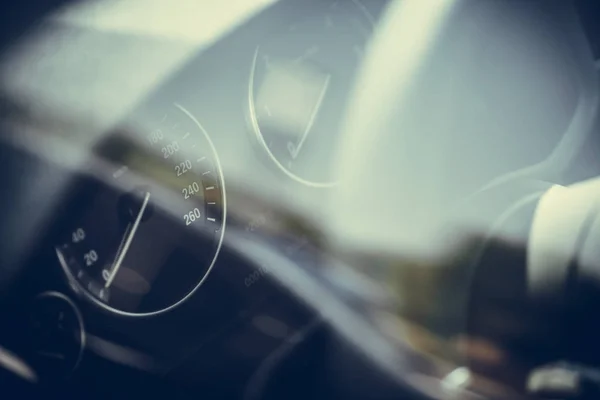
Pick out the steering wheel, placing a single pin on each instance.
(413, 191)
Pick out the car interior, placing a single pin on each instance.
(300, 199)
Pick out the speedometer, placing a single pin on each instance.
(300, 80)
(143, 237)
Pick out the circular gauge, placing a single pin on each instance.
(143, 237)
(57, 334)
(299, 82)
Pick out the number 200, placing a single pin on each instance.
(170, 149)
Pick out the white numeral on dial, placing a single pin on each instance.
(90, 258)
(192, 216)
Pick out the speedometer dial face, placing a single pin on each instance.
(299, 82)
(143, 238)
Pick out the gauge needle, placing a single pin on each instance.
(106, 274)
(295, 150)
(128, 237)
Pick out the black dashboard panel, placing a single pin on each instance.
(232, 319)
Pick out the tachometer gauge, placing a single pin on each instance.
(142, 238)
(299, 82)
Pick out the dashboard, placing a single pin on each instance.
(195, 206)
(141, 253)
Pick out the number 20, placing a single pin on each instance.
(90, 258)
